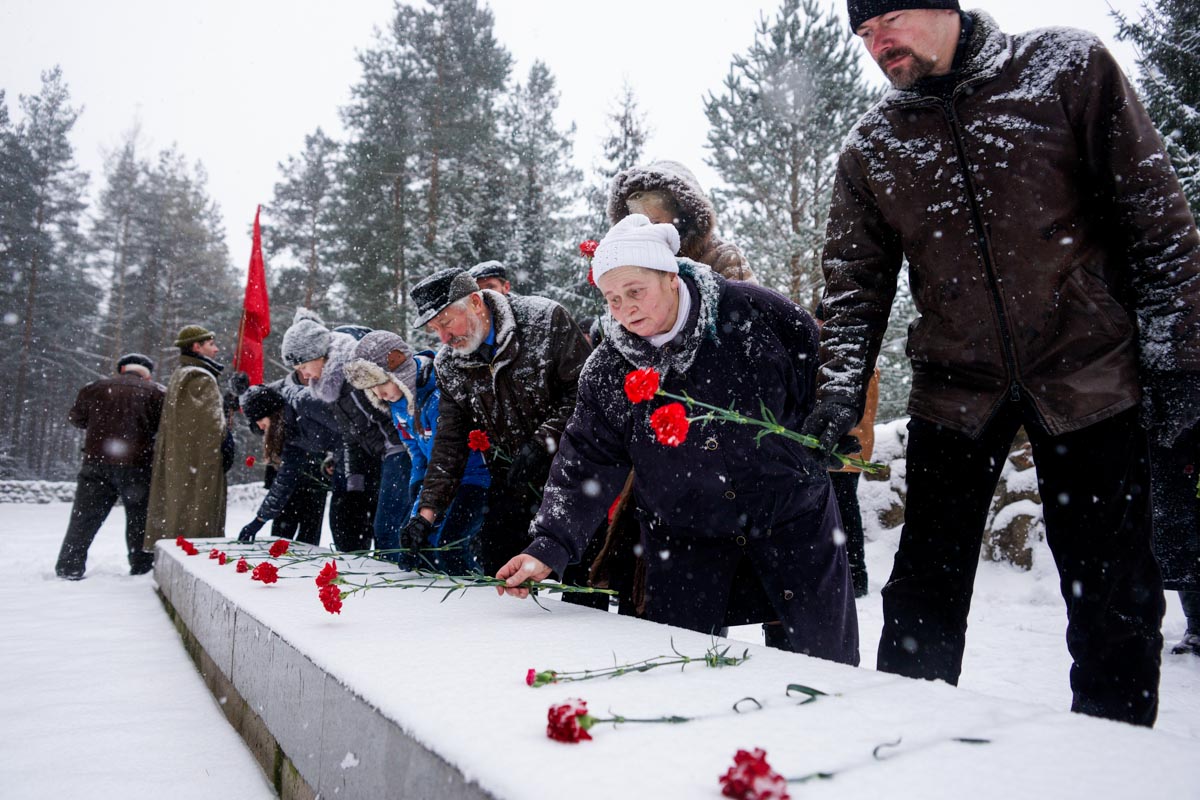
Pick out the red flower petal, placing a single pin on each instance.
(250, 461)
(670, 424)
(243, 565)
(641, 384)
(265, 572)
(279, 547)
(569, 722)
(588, 247)
(478, 440)
(327, 575)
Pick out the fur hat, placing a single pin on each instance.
(306, 340)
(636, 242)
(135, 360)
(261, 401)
(489, 269)
(379, 357)
(191, 334)
(439, 290)
(862, 10)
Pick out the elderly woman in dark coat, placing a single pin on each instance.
(732, 526)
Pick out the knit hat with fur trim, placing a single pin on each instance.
(637, 242)
(306, 340)
(862, 10)
(379, 357)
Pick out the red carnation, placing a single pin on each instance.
(214, 553)
(588, 248)
(569, 722)
(670, 424)
(591, 279)
(222, 558)
(327, 575)
(278, 547)
(538, 679)
(530, 677)
(331, 598)
(265, 572)
(641, 384)
(180, 541)
(250, 461)
(751, 778)
(189, 548)
(243, 565)
(478, 440)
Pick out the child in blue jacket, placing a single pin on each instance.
(408, 391)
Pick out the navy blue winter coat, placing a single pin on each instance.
(310, 431)
(742, 346)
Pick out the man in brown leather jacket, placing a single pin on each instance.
(120, 416)
(1056, 268)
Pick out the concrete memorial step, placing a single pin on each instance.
(415, 694)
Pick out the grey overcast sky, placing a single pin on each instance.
(237, 84)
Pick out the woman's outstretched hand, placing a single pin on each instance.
(518, 570)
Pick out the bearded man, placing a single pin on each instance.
(508, 366)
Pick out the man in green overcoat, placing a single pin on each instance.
(187, 486)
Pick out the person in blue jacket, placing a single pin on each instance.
(404, 385)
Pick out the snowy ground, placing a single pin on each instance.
(102, 701)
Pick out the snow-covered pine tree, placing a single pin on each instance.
(418, 180)
(776, 128)
(298, 231)
(1167, 39)
(52, 312)
(544, 189)
(623, 146)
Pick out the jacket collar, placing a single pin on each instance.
(988, 53)
(203, 362)
(679, 354)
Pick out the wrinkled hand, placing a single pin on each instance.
(830, 423)
(254, 526)
(416, 533)
(519, 569)
(529, 465)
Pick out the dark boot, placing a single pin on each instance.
(1190, 643)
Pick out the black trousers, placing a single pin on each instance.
(506, 520)
(1095, 488)
(845, 488)
(352, 514)
(302, 514)
(96, 491)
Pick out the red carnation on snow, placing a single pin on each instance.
(327, 575)
(214, 553)
(278, 547)
(751, 778)
(641, 384)
(569, 722)
(478, 440)
(331, 598)
(670, 424)
(250, 461)
(180, 541)
(243, 565)
(265, 572)
(222, 558)
(189, 548)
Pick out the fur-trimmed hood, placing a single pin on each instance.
(697, 221)
(341, 350)
(364, 374)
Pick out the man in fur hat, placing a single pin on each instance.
(120, 418)
(509, 367)
(194, 446)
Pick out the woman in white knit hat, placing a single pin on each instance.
(737, 530)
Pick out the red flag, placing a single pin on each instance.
(256, 314)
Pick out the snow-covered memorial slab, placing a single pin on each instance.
(418, 694)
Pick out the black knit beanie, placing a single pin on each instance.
(863, 10)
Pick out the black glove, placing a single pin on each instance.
(829, 423)
(531, 465)
(416, 533)
(228, 450)
(239, 382)
(252, 527)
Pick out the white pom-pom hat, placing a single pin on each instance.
(637, 242)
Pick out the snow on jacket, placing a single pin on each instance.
(525, 393)
(120, 416)
(419, 438)
(310, 431)
(743, 347)
(697, 220)
(187, 484)
(1048, 242)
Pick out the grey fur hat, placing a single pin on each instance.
(379, 357)
(306, 339)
